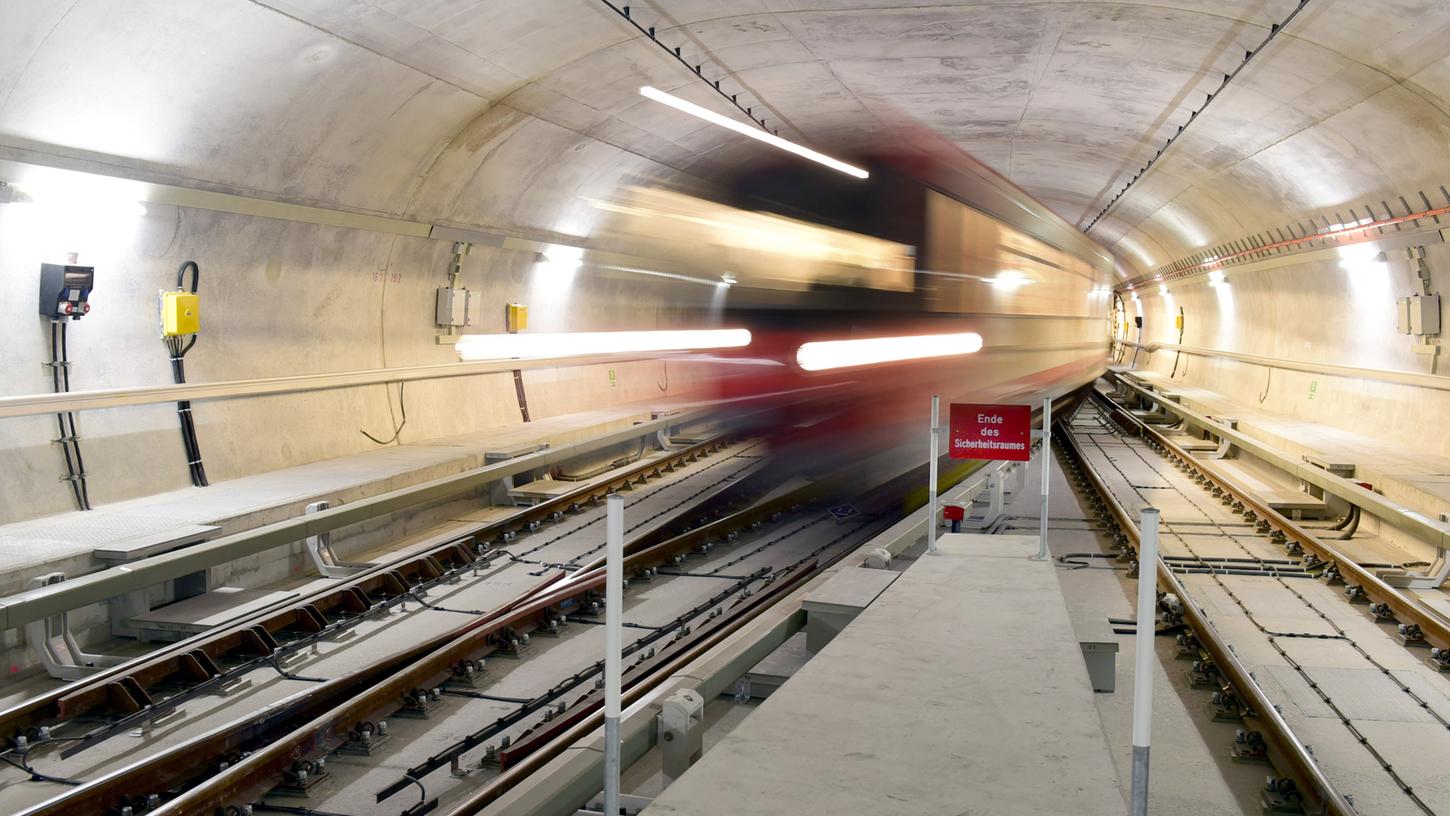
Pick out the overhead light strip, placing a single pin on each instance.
(771, 139)
(473, 347)
(697, 68)
(831, 354)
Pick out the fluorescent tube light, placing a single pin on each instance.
(753, 132)
(472, 347)
(829, 354)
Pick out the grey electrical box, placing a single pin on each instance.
(453, 307)
(1425, 314)
(1418, 314)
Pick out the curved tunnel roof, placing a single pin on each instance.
(505, 113)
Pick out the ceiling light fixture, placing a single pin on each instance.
(745, 130)
(829, 354)
(473, 347)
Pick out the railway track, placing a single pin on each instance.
(318, 627)
(511, 685)
(1251, 554)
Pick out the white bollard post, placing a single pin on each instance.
(1144, 656)
(931, 484)
(613, 645)
(1046, 475)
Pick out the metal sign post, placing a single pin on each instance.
(931, 485)
(613, 645)
(1144, 656)
(1046, 475)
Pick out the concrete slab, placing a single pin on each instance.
(208, 610)
(884, 720)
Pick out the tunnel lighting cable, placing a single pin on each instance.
(745, 130)
(472, 347)
(1274, 31)
(830, 354)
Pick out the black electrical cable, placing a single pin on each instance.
(178, 374)
(403, 407)
(1352, 525)
(37, 776)
(66, 421)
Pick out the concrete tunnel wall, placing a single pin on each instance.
(507, 115)
(279, 297)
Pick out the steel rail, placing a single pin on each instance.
(38, 604)
(559, 740)
(1433, 627)
(382, 685)
(125, 690)
(251, 778)
(1290, 756)
(1433, 532)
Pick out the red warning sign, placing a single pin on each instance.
(991, 432)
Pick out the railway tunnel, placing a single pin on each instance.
(968, 397)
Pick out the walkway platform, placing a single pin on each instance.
(960, 689)
(1416, 478)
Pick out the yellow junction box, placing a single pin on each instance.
(516, 317)
(180, 313)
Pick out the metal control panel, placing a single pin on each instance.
(65, 290)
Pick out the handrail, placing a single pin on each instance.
(1438, 382)
(39, 404)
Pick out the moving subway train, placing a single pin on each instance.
(934, 275)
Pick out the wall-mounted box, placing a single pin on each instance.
(180, 313)
(516, 317)
(65, 290)
(1425, 314)
(453, 307)
(1418, 314)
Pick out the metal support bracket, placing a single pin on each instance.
(995, 503)
(1432, 578)
(53, 642)
(1225, 445)
(319, 548)
(681, 732)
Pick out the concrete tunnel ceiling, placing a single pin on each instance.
(509, 113)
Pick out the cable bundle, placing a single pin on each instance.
(69, 440)
(178, 373)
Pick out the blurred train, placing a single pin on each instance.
(985, 294)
